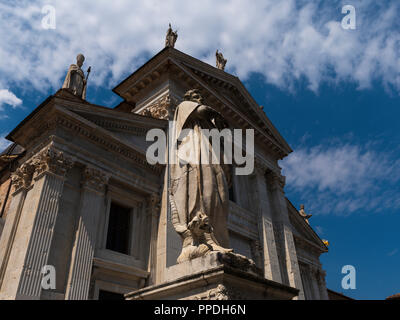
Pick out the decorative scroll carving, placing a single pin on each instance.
(51, 160)
(22, 177)
(95, 179)
(163, 108)
(47, 160)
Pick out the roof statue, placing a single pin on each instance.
(75, 80)
(221, 62)
(304, 214)
(171, 37)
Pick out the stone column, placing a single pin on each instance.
(266, 231)
(284, 230)
(34, 234)
(91, 203)
(21, 179)
(154, 215)
(161, 261)
(314, 275)
(323, 292)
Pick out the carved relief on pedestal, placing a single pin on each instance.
(163, 108)
(95, 179)
(53, 161)
(218, 293)
(221, 292)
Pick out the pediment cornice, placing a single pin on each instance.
(217, 86)
(54, 115)
(303, 231)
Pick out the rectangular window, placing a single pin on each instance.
(119, 225)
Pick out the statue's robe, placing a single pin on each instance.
(74, 81)
(195, 186)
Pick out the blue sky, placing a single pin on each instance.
(334, 95)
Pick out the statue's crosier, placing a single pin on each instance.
(199, 189)
(75, 80)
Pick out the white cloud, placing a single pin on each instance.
(7, 97)
(285, 40)
(3, 142)
(343, 179)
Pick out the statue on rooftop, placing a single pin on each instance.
(304, 214)
(221, 62)
(75, 80)
(171, 37)
(198, 191)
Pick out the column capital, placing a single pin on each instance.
(51, 160)
(95, 179)
(22, 176)
(277, 180)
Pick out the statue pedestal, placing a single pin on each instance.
(217, 276)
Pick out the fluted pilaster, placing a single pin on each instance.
(266, 231)
(91, 205)
(154, 215)
(289, 263)
(50, 167)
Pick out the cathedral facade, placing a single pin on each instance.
(78, 194)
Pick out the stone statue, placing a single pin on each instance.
(221, 62)
(171, 37)
(304, 214)
(75, 80)
(198, 189)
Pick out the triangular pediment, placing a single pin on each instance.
(221, 90)
(116, 132)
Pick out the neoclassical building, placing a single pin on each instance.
(77, 193)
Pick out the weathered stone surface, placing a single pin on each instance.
(80, 158)
(217, 276)
(198, 187)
